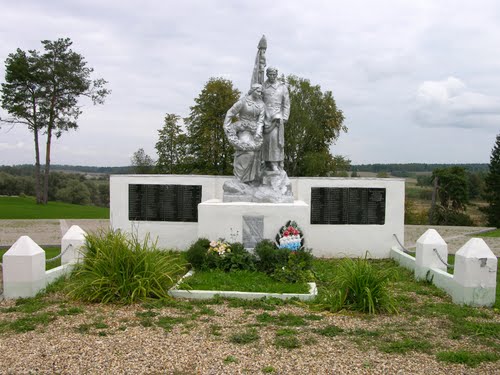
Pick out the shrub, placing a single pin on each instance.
(270, 257)
(297, 268)
(238, 259)
(197, 253)
(117, 268)
(358, 286)
(444, 216)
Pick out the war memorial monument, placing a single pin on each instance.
(338, 216)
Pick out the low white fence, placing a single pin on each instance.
(24, 273)
(473, 281)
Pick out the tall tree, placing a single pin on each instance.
(42, 91)
(452, 188)
(172, 147)
(142, 162)
(210, 149)
(22, 93)
(315, 123)
(493, 186)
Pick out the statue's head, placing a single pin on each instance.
(255, 88)
(272, 74)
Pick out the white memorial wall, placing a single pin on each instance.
(214, 219)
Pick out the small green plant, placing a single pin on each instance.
(117, 268)
(287, 342)
(467, 358)
(168, 322)
(230, 359)
(282, 319)
(329, 331)
(246, 337)
(70, 311)
(268, 370)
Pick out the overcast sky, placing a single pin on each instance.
(418, 81)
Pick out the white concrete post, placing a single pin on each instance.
(23, 269)
(425, 257)
(475, 274)
(72, 245)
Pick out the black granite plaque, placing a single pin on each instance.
(164, 202)
(348, 206)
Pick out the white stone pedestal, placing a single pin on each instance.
(217, 219)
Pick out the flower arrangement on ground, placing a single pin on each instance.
(290, 237)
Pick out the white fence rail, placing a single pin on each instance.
(24, 273)
(473, 281)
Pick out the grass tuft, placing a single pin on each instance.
(120, 269)
(245, 337)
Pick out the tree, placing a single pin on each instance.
(452, 190)
(142, 162)
(172, 147)
(209, 147)
(314, 124)
(42, 91)
(492, 187)
(452, 187)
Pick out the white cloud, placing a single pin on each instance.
(449, 103)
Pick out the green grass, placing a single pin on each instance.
(26, 208)
(241, 280)
(467, 358)
(245, 337)
(50, 252)
(406, 345)
(493, 233)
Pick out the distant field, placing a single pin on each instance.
(26, 208)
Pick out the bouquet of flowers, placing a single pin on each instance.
(219, 247)
(290, 237)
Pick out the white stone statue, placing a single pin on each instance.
(277, 101)
(258, 137)
(245, 135)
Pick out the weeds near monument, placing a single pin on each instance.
(117, 268)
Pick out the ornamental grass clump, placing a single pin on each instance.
(362, 287)
(118, 268)
(358, 285)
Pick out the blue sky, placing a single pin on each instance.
(418, 81)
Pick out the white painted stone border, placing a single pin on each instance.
(207, 294)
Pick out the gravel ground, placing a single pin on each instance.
(201, 344)
(126, 347)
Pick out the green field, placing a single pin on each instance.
(26, 208)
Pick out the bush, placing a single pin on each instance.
(359, 286)
(270, 257)
(117, 268)
(197, 253)
(297, 268)
(443, 216)
(238, 258)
